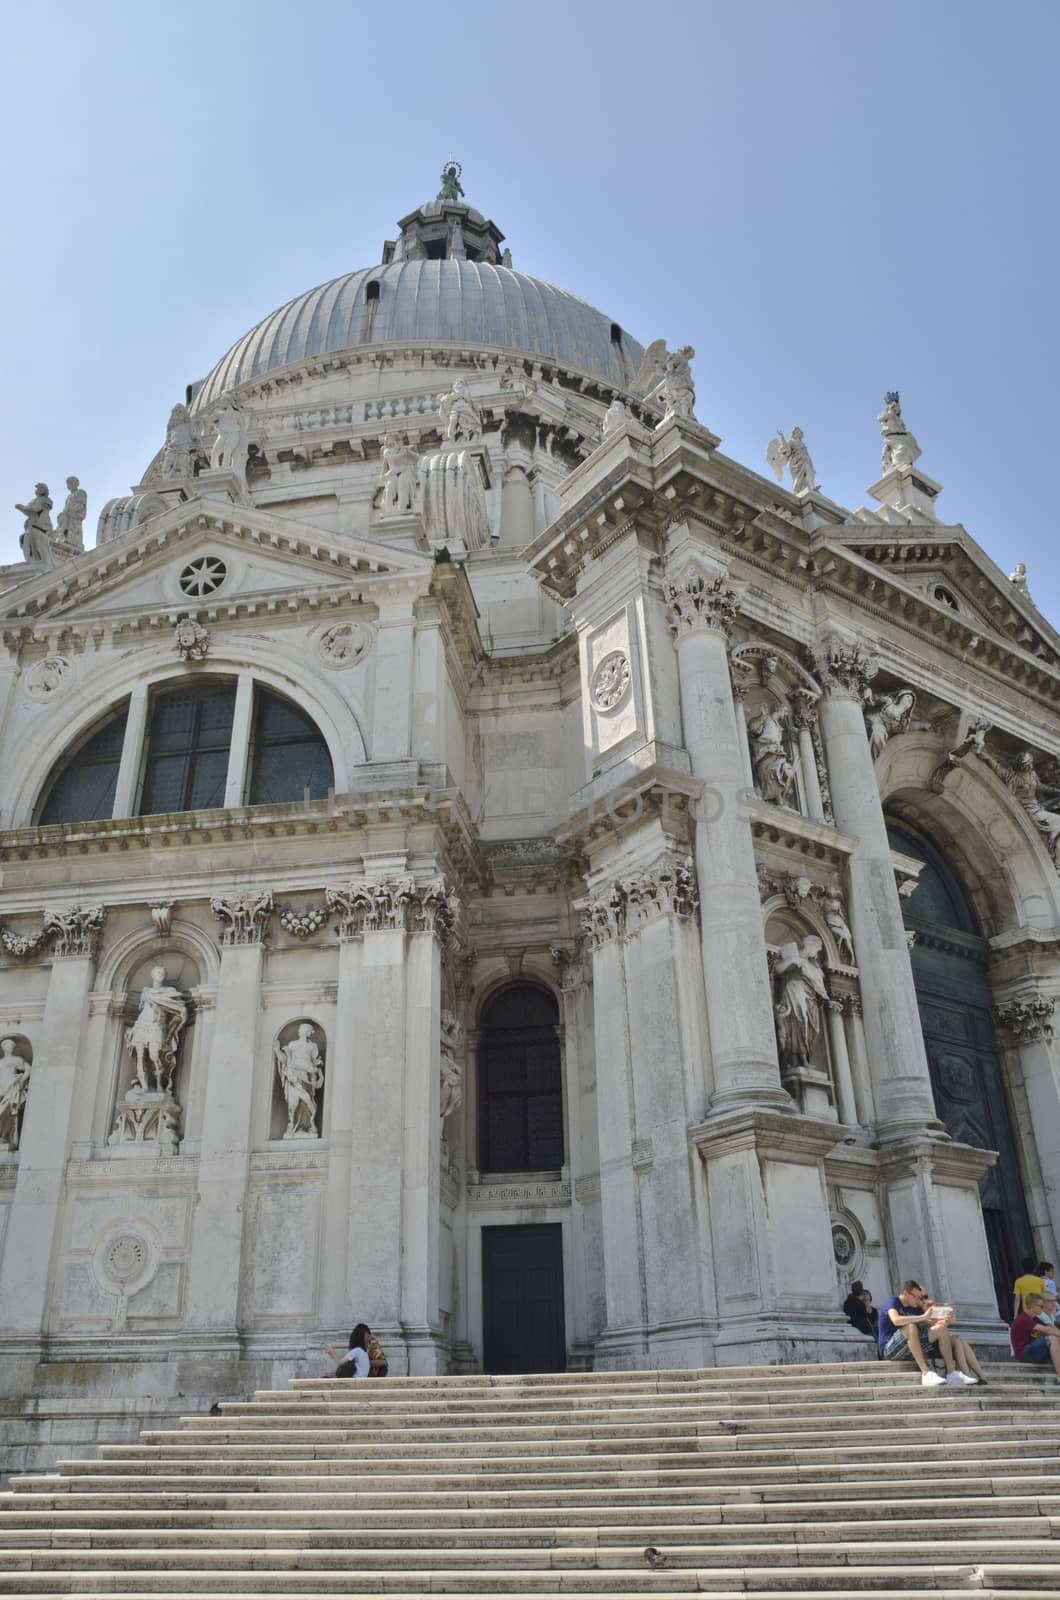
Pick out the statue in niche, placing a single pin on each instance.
(459, 413)
(893, 714)
(793, 454)
(451, 1088)
(69, 525)
(14, 1087)
(300, 1066)
(800, 993)
(36, 535)
(774, 773)
(399, 475)
(181, 446)
(835, 918)
(1022, 780)
(155, 1035)
(900, 449)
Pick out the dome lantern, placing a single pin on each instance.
(447, 229)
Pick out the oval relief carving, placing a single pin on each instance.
(47, 679)
(611, 681)
(344, 644)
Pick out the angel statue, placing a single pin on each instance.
(793, 454)
(900, 449)
(800, 993)
(887, 715)
(154, 1036)
(667, 374)
(300, 1067)
(1022, 780)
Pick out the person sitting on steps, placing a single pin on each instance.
(355, 1363)
(1035, 1342)
(910, 1326)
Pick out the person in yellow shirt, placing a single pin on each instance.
(1028, 1282)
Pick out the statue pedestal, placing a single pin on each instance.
(151, 1117)
(907, 489)
(220, 483)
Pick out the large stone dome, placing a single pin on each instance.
(435, 301)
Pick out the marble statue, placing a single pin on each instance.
(155, 1035)
(800, 993)
(506, 258)
(179, 450)
(399, 475)
(300, 1066)
(14, 1087)
(835, 918)
(793, 454)
(451, 1086)
(667, 374)
(450, 182)
(37, 533)
(69, 524)
(1018, 579)
(1022, 780)
(900, 449)
(616, 416)
(231, 439)
(191, 638)
(459, 413)
(889, 716)
(774, 773)
(457, 247)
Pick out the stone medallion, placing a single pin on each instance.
(611, 681)
(124, 1260)
(844, 1246)
(344, 644)
(48, 679)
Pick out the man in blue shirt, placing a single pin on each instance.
(908, 1326)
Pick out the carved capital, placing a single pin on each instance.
(396, 904)
(847, 669)
(696, 602)
(434, 908)
(804, 712)
(1026, 1019)
(622, 907)
(74, 930)
(851, 1004)
(244, 917)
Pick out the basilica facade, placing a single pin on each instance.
(479, 860)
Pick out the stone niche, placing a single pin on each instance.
(153, 1044)
(299, 1065)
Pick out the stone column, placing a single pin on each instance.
(897, 1058)
(859, 1066)
(742, 1038)
(1026, 1024)
(35, 1213)
(844, 1086)
(421, 1142)
(804, 716)
(227, 1134)
(342, 1216)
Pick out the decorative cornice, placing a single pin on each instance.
(619, 909)
(699, 603)
(245, 917)
(1027, 1018)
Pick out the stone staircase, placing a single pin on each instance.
(832, 1480)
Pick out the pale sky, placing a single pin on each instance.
(827, 199)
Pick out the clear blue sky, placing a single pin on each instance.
(828, 199)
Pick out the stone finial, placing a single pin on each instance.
(793, 454)
(696, 602)
(191, 639)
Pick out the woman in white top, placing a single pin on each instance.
(354, 1363)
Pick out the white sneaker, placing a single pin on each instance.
(959, 1380)
(932, 1380)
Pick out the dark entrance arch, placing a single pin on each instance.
(956, 1013)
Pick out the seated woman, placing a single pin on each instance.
(355, 1363)
(857, 1312)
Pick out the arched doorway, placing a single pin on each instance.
(956, 1013)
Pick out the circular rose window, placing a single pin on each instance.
(203, 576)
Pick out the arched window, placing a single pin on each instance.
(187, 748)
(372, 290)
(520, 1084)
(82, 789)
(288, 755)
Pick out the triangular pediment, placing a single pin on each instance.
(946, 568)
(266, 559)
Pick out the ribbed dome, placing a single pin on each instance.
(465, 302)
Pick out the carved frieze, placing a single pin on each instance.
(1027, 1018)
